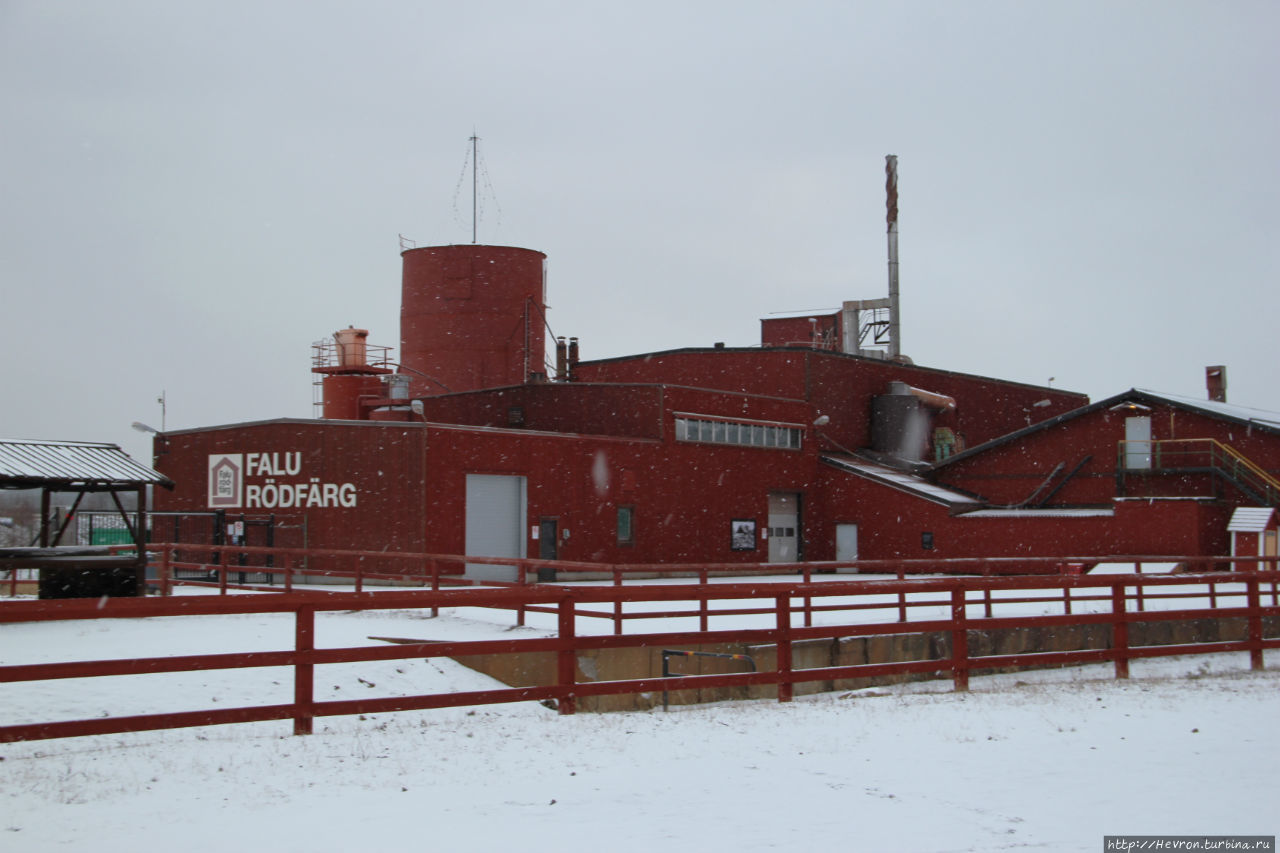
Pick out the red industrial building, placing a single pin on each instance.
(814, 446)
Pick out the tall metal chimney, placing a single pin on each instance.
(1215, 379)
(891, 216)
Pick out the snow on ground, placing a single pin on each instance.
(1049, 760)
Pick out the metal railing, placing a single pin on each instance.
(1199, 454)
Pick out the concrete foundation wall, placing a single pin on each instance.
(539, 668)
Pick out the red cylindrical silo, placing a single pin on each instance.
(342, 393)
(471, 317)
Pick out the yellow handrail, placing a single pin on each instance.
(1219, 455)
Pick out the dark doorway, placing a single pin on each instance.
(548, 544)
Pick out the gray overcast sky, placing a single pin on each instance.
(193, 192)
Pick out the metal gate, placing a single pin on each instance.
(221, 529)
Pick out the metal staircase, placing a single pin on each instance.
(1197, 456)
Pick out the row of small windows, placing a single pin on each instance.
(747, 435)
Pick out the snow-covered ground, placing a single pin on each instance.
(1044, 761)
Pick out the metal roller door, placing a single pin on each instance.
(495, 523)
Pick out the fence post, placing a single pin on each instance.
(222, 573)
(1255, 622)
(808, 599)
(703, 618)
(782, 605)
(522, 572)
(902, 596)
(567, 657)
(959, 641)
(166, 588)
(304, 673)
(617, 604)
(435, 584)
(1119, 631)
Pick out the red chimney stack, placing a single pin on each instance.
(1215, 378)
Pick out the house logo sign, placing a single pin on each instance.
(226, 480)
(272, 480)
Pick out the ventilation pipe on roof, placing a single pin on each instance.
(902, 419)
(891, 217)
(352, 346)
(562, 360)
(573, 358)
(397, 386)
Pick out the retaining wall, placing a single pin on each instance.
(534, 669)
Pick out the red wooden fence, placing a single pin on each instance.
(971, 603)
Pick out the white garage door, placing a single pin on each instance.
(495, 523)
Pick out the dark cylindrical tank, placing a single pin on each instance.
(471, 317)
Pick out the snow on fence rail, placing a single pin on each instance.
(971, 605)
(225, 567)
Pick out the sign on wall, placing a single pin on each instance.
(271, 481)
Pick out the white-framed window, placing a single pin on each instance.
(690, 428)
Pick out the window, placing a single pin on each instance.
(626, 527)
(741, 434)
(945, 444)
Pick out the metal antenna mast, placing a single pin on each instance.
(475, 172)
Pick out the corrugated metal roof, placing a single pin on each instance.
(32, 462)
(1250, 519)
(1037, 512)
(902, 481)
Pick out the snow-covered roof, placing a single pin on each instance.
(1226, 410)
(1250, 519)
(1050, 512)
(1241, 414)
(902, 481)
(30, 463)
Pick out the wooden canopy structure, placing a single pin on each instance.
(80, 468)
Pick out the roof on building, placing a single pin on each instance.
(1038, 512)
(903, 481)
(1257, 418)
(907, 366)
(26, 463)
(1251, 519)
(1244, 414)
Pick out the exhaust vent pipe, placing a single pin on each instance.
(1215, 379)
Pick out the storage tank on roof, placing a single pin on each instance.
(471, 317)
(348, 376)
